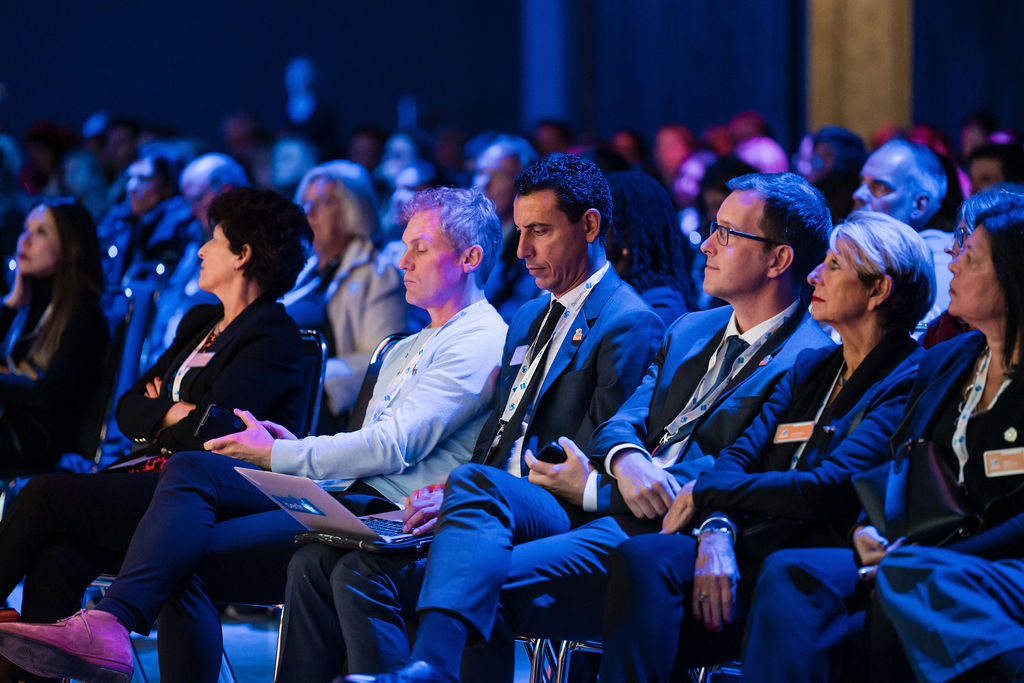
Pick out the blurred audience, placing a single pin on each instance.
(836, 159)
(645, 246)
(673, 143)
(992, 163)
(551, 136)
(509, 284)
(154, 226)
(308, 112)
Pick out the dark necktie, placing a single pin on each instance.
(510, 432)
(734, 346)
(555, 311)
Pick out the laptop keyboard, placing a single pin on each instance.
(383, 527)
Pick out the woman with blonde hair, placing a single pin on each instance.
(345, 290)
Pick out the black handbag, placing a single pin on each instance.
(915, 495)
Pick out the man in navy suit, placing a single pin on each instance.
(707, 383)
(570, 359)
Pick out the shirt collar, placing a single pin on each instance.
(575, 295)
(759, 330)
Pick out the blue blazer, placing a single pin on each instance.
(680, 364)
(599, 364)
(752, 480)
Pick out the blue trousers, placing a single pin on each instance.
(952, 611)
(649, 631)
(507, 558)
(806, 618)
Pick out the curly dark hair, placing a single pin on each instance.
(646, 227)
(275, 229)
(577, 183)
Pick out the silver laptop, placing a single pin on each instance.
(327, 519)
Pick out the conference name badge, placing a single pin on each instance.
(201, 360)
(518, 355)
(1004, 462)
(794, 432)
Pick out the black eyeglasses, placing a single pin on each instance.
(722, 232)
(960, 235)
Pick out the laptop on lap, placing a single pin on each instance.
(327, 520)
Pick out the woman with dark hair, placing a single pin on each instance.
(645, 245)
(54, 332)
(965, 415)
(65, 529)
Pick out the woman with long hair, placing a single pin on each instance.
(55, 335)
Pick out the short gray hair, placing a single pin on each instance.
(467, 217)
(876, 245)
(930, 176)
(512, 146)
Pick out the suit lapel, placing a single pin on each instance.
(763, 356)
(928, 400)
(769, 348)
(687, 375)
(580, 327)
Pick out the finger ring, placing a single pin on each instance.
(702, 597)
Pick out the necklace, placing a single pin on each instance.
(212, 337)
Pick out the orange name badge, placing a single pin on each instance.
(794, 432)
(1004, 462)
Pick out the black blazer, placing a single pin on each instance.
(678, 368)
(598, 365)
(944, 370)
(256, 365)
(45, 412)
(752, 481)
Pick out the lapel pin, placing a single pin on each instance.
(577, 336)
(764, 361)
(1010, 434)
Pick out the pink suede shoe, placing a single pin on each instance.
(89, 646)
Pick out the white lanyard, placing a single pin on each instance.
(967, 406)
(699, 403)
(195, 359)
(817, 416)
(526, 372)
(410, 360)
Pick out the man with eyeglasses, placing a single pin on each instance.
(708, 381)
(906, 181)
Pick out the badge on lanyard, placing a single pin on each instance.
(519, 355)
(201, 360)
(794, 432)
(1004, 462)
